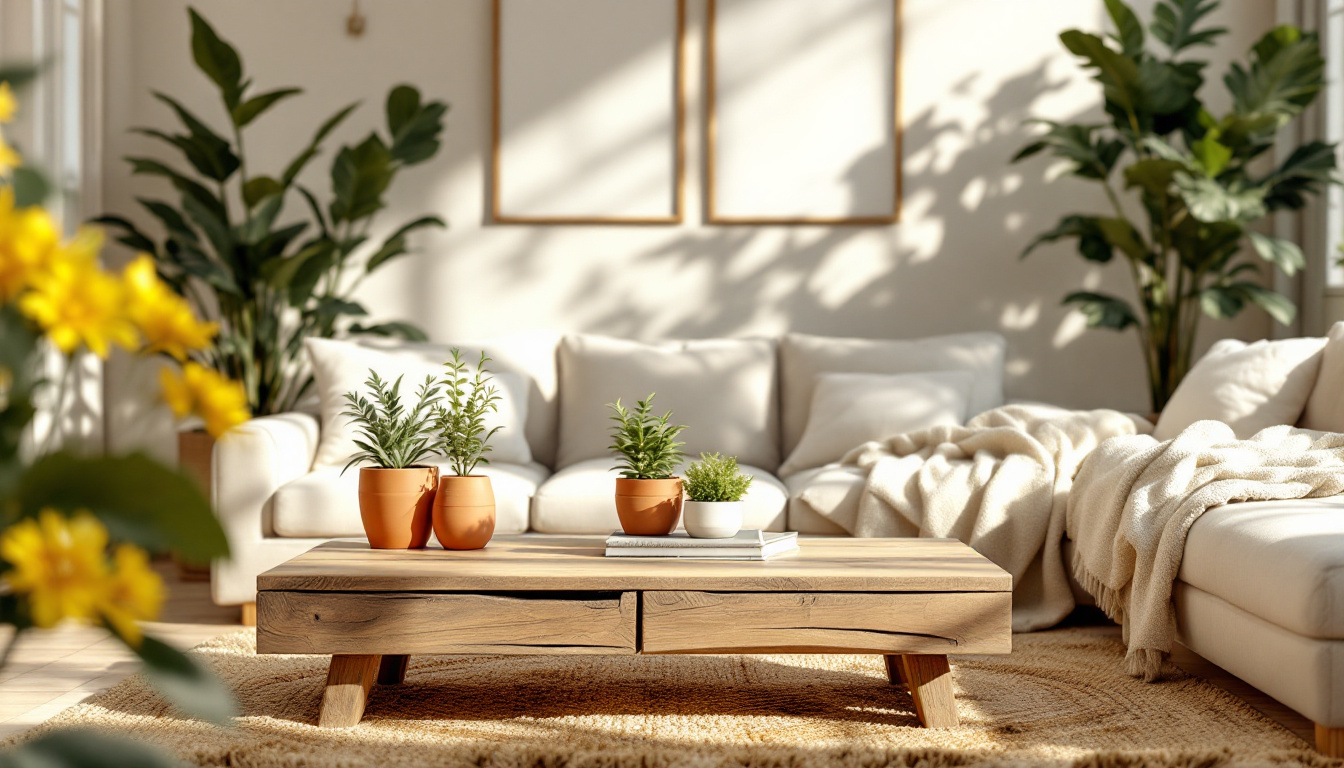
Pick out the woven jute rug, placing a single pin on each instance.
(1061, 698)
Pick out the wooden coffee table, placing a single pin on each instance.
(915, 601)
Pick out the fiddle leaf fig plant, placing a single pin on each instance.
(390, 435)
(646, 445)
(460, 421)
(257, 248)
(1197, 181)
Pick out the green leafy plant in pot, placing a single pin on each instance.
(464, 509)
(396, 493)
(648, 496)
(1200, 180)
(714, 491)
(270, 276)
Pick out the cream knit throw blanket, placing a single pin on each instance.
(1000, 484)
(1135, 499)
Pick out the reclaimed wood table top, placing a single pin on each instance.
(542, 562)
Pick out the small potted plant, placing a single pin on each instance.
(464, 509)
(648, 497)
(714, 490)
(397, 492)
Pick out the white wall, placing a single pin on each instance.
(974, 70)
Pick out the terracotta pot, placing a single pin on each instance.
(395, 505)
(648, 507)
(464, 512)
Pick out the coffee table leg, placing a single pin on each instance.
(894, 674)
(392, 670)
(348, 682)
(930, 681)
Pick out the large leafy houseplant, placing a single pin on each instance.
(273, 281)
(76, 531)
(1200, 180)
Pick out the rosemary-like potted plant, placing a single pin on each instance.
(714, 490)
(464, 508)
(648, 497)
(396, 493)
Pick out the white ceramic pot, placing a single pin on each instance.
(712, 519)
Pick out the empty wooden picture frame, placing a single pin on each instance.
(802, 121)
(588, 105)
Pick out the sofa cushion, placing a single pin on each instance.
(581, 499)
(343, 366)
(1280, 560)
(831, 488)
(850, 409)
(1246, 386)
(723, 390)
(325, 503)
(803, 357)
(1325, 407)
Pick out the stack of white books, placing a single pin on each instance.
(746, 545)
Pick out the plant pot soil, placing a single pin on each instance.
(395, 505)
(648, 507)
(464, 512)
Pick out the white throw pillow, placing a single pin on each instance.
(723, 390)
(1325, 407)
(343, 366)
(1246, 386)
(802, 358)
(850, 409)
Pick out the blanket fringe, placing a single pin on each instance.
(1145, 663)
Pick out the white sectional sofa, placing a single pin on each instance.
(1261, 590)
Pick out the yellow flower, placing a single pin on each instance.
(164, 318)
(9, 158)
(28, 242)
(218, 400)
(134, 593)
(76, 302)
(8, 105)
(58, 563)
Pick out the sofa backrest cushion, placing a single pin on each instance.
(802, 358)
(529, 356)
(1246, 386)
(850, 409)
(723, 390)
(1325, 407)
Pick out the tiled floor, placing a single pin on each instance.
(51, 670)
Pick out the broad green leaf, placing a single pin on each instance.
(395, 244)
(84, 748)
(1275, 305)
(1207, 246)
(259, 224)
(415, 135)
(359, 176)
(188, 187)
(1092, 244)
(1227, 300)
(171, 219)
(1210, 201)
(1153, 175)
(185, 683)
(1164, 87)
(1103, 311)
(1309, 168)
(1212, 156)
(252, 108)
(299, 274)
(1093, 157)
(259, 188)
(130, 236)
(1118, 74)
(1129, 31)
(1174, 23)
(17, 75)
(1285, 75)
(215, 227)
(176, 517)
(1284, 254)
(1121, 234)
(30, 186)
(217, 59)
(395, 329)
(403, 103)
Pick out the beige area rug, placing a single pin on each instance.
(1060, 698)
